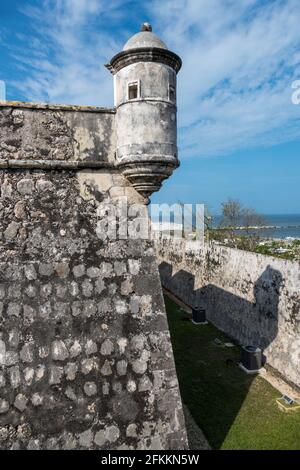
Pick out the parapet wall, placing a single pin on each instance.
(253, 298)
(85, 355)
(56, 133)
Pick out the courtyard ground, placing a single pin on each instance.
(234, 410)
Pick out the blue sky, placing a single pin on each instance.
(239, 132)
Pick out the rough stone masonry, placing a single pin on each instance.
(251, 297)
(85, 355)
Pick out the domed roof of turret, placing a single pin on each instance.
(145, 38)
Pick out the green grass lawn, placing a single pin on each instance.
(233, 409)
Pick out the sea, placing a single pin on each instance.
(279, 226)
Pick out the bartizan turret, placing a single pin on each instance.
(145, 99)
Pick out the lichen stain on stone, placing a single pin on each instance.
(93, 181)
(84, 141)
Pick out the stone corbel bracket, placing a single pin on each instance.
(147, 175)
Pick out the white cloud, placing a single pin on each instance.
(65, 55)
(239, 61)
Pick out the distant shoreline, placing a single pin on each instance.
(277, 226)
(261, 227)
(270, 219)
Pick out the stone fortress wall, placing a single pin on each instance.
(253, 298)
(85, 354)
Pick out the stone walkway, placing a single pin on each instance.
(277, 382)
(196, 438)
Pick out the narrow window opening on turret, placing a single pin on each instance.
(172, 94)
(133, 90)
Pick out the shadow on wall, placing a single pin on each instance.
(249, 323)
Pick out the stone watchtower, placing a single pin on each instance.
(85, 353)
(145, 99)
